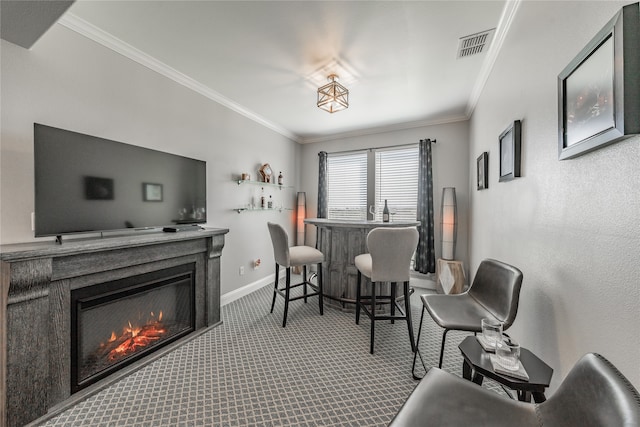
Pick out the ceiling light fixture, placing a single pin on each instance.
(333, 97)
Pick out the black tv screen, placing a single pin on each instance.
(88, 184)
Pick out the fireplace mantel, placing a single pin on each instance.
(36, 281)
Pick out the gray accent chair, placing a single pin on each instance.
(388, 260)
(294, 256)
(494, 293)
(594, 394)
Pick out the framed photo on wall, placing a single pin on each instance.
(483, 171)
(509, 144)
(599, 91)
(152, 192)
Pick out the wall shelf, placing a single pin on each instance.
(265, 185)
(262, 184)
(240, 210)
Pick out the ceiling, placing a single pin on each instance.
(257, 57)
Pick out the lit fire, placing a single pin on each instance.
(134, 338)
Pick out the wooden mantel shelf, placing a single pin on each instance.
(20, 251)
(36, 280)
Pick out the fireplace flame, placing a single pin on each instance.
(134, 338)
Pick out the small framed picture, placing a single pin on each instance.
(151, 192)
(509, 141)
(483, 171)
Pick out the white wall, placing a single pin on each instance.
(70, 82)
(450, 169)
(572, 226)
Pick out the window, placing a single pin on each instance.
(347, 186)
(359, 182)
(396, 178)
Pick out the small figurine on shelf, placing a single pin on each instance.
(265, 172)
(280, 179)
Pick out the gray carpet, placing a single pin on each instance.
(251, 372)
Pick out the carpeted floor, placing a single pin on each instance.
(251, 372)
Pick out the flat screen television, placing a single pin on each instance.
(87, 184)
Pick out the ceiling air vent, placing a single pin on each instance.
(475, 43)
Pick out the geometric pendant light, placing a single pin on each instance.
(333, 97)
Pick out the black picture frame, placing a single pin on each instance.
(509, 149)
(152, 192)
(482, 170)
(96, 188)
(599, 90)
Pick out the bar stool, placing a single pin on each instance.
(294, 256)
(388, 260)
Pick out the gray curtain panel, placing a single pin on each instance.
(425, 253)
(322, 185)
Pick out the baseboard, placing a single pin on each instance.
(418, 280)
(247, 289)
(424, 281)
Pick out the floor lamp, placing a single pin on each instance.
(449, 220)
(301, 214)
(449, 272)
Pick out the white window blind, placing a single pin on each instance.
(393, 173)
(347, 186)
(396, 178)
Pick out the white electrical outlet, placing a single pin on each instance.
(241, 271)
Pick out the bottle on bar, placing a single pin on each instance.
(385, 212)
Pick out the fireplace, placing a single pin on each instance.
(116, 323)
(37, 282)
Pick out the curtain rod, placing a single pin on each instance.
(380, 148)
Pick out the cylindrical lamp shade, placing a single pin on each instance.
(301, 214)
(449, 223)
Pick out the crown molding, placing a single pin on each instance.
(508, 14)
(107, 40)
(384, 129)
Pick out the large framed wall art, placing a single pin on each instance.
(599, 91)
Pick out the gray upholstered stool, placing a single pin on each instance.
(388, 260)
(593, 394)
(294, 256)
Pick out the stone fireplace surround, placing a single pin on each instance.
(36, 282)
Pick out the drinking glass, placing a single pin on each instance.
(491, 331)
(508, 354)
